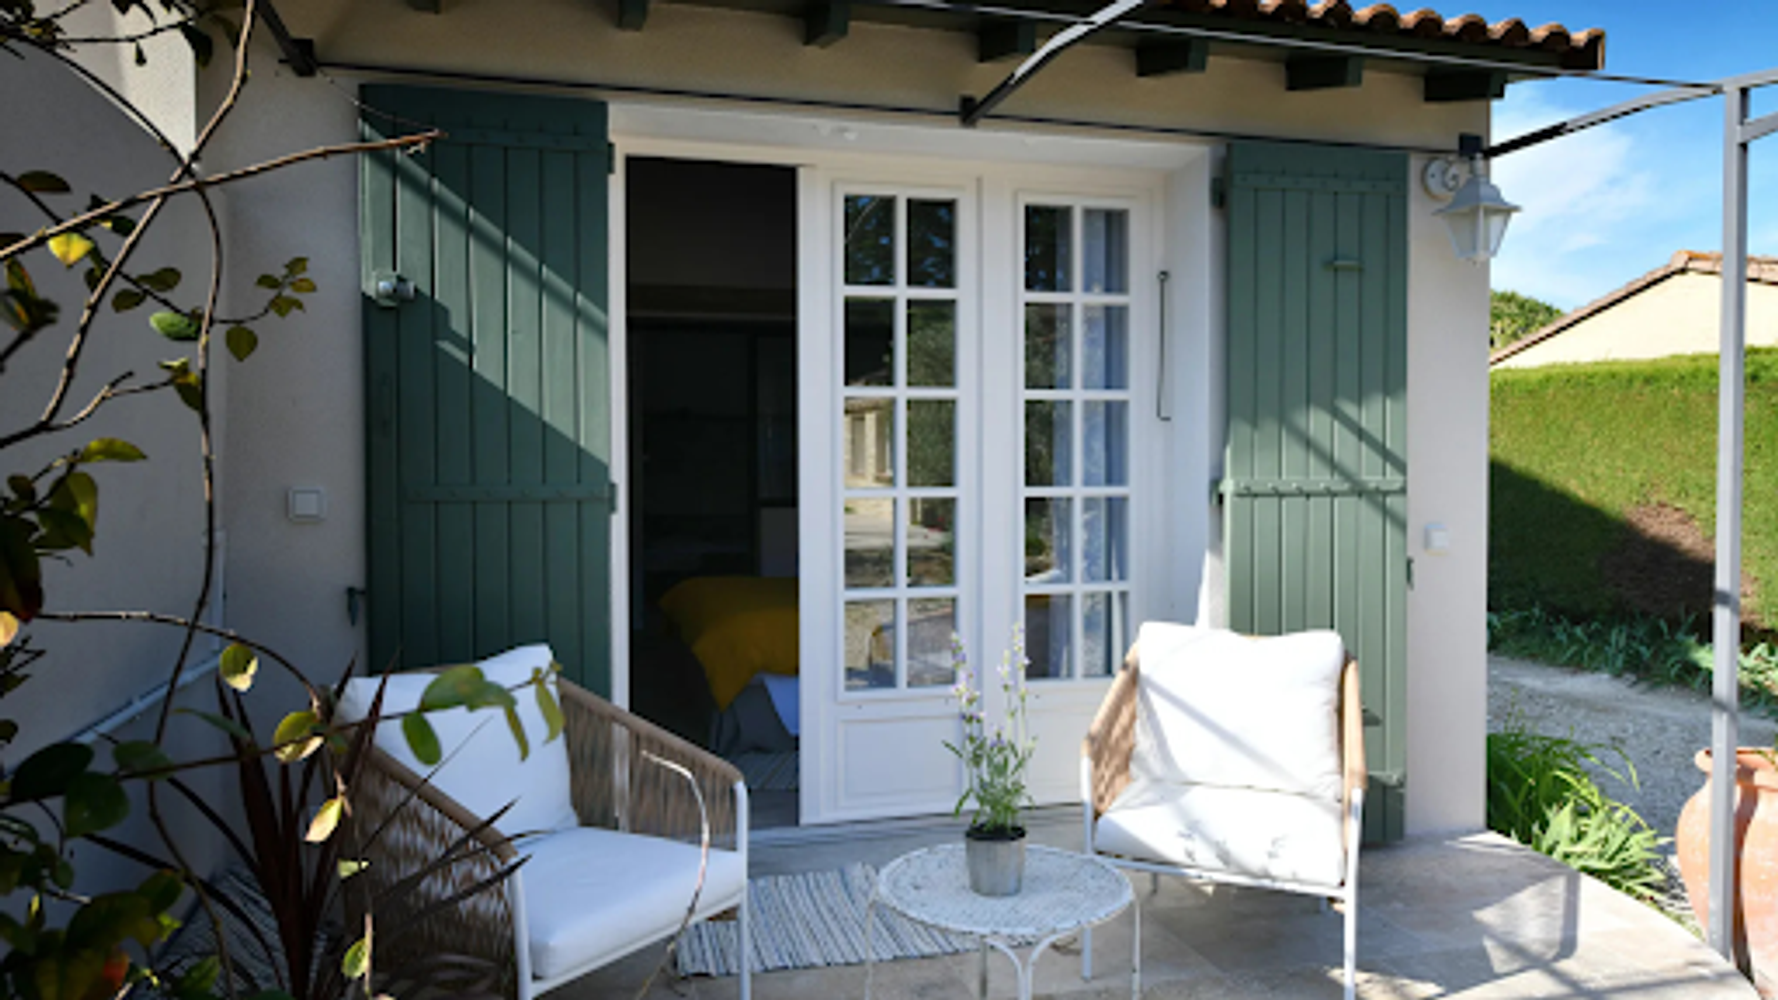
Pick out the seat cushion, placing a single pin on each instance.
(1218, 708)
(592, 893)
(1270, 835)
(481, 768)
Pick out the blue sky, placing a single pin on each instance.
(1604, 206)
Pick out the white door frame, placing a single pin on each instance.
(998, 167)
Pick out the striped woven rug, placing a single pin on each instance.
(808, 920)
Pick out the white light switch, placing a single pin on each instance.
(307, 504)
(1438, 539)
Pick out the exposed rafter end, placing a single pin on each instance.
(1168, 58)
(826, 22)
(1000, 39)
(299, 53)
(1447, 86)
(632, 14)
(1323, 72)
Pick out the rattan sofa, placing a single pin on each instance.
(619, 875)
(1232, 829)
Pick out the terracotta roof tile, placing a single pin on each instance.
(1578, 49)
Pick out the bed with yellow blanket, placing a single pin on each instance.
(741, 628)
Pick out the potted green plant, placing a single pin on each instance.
(994, 761)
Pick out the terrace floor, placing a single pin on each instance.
(1468, 917)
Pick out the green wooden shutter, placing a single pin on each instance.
(487, 393)
(1315, 494)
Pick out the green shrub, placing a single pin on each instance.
(1541, 794)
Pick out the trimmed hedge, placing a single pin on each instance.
(1575, 448)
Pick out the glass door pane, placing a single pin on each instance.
(1077, 402)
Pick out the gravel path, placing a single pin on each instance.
(1660, 729)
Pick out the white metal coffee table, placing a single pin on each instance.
(1063, 892)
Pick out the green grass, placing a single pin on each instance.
(1541, 794)
(1575, 447)
(1645, 647)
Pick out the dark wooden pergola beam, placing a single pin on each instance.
(826, 22)
(632, 14)
(1001, 39)
(1323, 72)
(1444, 86)
(299, 53)
(1168, 58)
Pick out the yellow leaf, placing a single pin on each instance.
(326, 819)
(9, 629)
(69, 248)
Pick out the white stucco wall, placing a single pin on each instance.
(1680, 315)
(295, 413)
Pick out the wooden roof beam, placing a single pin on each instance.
(826, 22)
(632, 14)
(1445, 86)
(1168, 58)
(1323, 72)
(1000, 39)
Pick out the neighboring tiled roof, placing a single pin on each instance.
(1760, 270)
(1577, 49)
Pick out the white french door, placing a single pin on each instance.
(966, 353)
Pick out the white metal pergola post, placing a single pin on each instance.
(1740, 130)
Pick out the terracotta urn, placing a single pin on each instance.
(1756, 857)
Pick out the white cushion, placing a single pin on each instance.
(1218, 708)
(593, 894)
(1270, 835)
(481, 768)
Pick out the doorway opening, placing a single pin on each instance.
(712, 305)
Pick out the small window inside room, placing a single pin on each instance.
(711, 264)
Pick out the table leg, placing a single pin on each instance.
(982, 981)
(1136, 952)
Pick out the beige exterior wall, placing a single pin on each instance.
(1680, 315)
(295, 411)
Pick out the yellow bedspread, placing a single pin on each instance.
(737, 626)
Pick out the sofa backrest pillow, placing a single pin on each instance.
(1218, 708)
(481, 768)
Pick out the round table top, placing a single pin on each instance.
(1061, 891)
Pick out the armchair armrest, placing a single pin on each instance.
(1110, 741)
(1356, 774)
(615, 785)
(448, 917)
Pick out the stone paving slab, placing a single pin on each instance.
(1475, 917)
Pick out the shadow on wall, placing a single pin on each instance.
(1549, 549)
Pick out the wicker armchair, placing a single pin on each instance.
(585, 895)
(1172, 825)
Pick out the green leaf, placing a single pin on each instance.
(162, 890)
(284, 304)
(92, 803)
(326, 820)
(547, 704)
(357, 960)
(48, 772)
(518, 732)
(241, 341)
(269, 281)
(43, 182)
(296, 265)
(463, 686)
(202, 46)
(350, 867)
(173, 325)
(111, 450)
(421, 739)
(191, 392)
(69, 248)
(303, 285)
(162, 280)
(21, 573)
(127, 299)
(9, 729)
(289, 736)
(200, 978)
(22, 487)
(142, 758)
(238, 667)
(223, 723)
